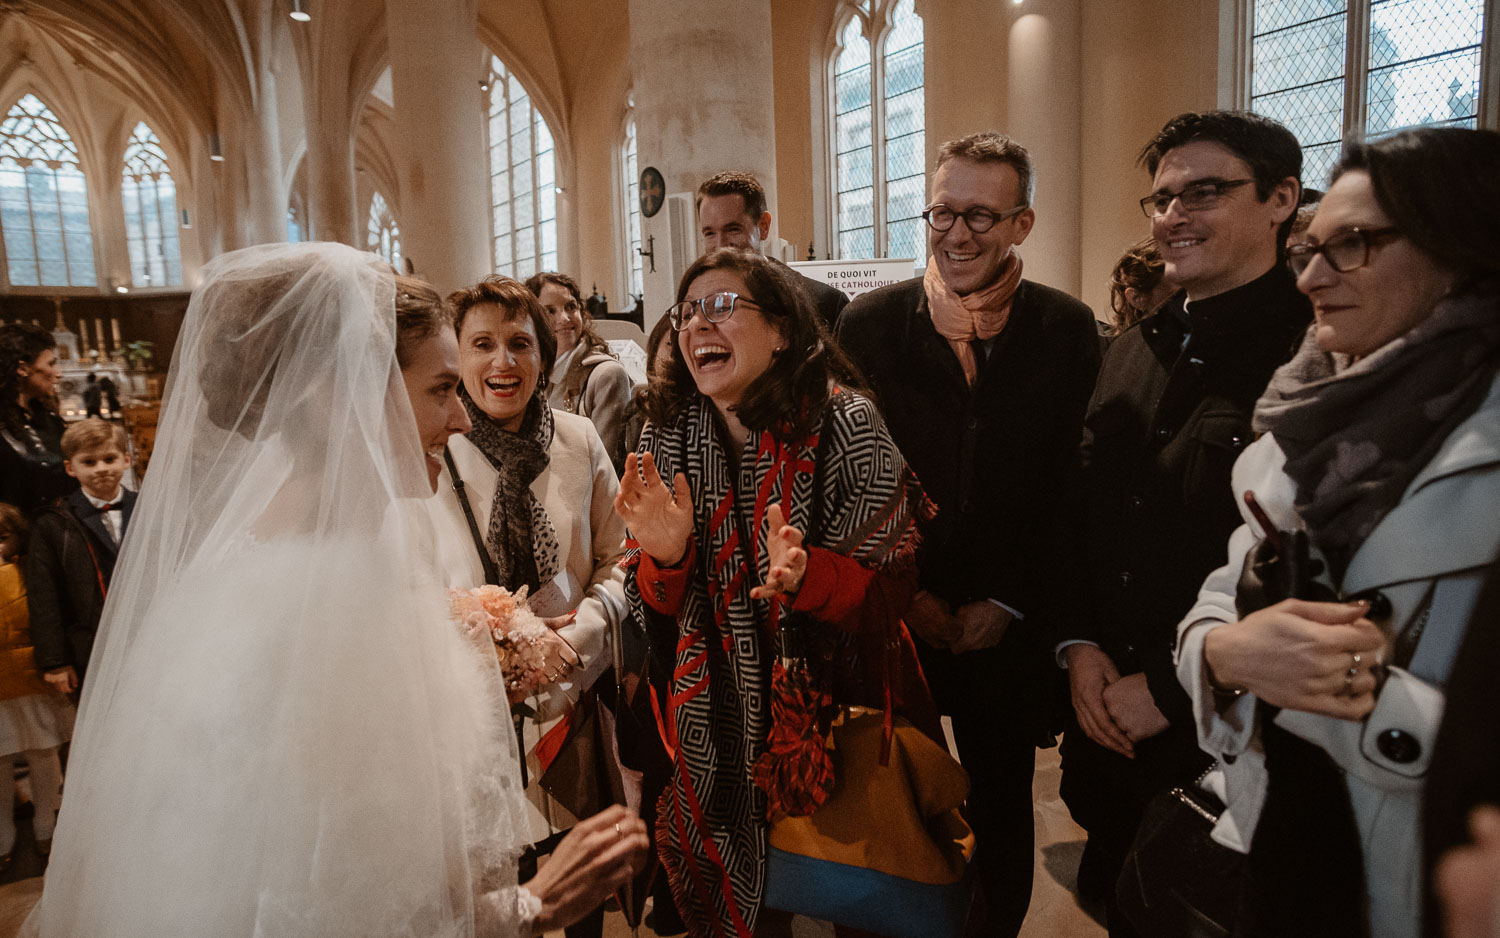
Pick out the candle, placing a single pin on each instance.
(99, 335)
(114, 325)
(83, 339)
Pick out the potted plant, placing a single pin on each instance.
(139, 354)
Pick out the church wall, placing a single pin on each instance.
(1143, 62)
(594, 187)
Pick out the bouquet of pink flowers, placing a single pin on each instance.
(514, 628)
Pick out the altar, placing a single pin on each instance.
(76, 361)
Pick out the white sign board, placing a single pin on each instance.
(856, 277)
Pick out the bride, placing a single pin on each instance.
(282, 734)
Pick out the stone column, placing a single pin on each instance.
(325, 57)
(703, 104)
(1045, 114)
(442, 166)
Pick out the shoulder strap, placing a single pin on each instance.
(491, 572)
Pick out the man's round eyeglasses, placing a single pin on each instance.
(1204, 195)
(940, 217)
(1345, 251)
(716, 307)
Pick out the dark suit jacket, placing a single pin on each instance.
(998, 458)
(1164, 428)
(69, 556)
(830, 301)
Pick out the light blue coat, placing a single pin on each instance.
(1439, 538)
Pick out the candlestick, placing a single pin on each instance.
(114, 325)
(99, 334)
(83, 339)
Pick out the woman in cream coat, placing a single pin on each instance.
(566, 505)
(1382, 445)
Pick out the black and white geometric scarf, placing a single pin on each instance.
(711, 821)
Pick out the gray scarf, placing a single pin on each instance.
(521, 538)
(1356, 434)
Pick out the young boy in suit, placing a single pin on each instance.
(73, 549)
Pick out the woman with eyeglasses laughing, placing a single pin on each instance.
(1377, 476)
(785, 538)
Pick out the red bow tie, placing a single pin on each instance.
(117, 506)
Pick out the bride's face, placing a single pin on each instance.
(432, 380)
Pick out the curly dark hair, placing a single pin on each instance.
(21, 343)
(789, 397)
(1140, 268)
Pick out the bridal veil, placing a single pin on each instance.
(281, 732)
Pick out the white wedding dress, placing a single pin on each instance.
(282, 733)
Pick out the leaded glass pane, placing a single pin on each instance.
(1272, 15)
(1298, 75)
(150, 200)
(1424, 62)
(906, 238)
(522, 174)
(631, 174)
(43, 200)
(856, 209)
(1299, 55)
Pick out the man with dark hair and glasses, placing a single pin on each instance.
(1169, 416)
(983, 377)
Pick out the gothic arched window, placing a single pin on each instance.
(1399, 63)
(522, 179)
(383, 234)
(630, 186)
(150, 212)
(878, 131)
(44, 202)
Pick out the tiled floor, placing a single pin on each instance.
(1055, 912)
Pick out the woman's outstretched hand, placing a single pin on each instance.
(788, 559)
(659, 518)
(598, 856)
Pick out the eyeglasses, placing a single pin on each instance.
(1195, 198)
(716, 307)
(940, 217)
(1348, 250)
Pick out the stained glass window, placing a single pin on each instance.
(879, 139)
(383, 235)
(1414, 62)
(150, 212)
(523, 185)
(631, 187)
(44, 207)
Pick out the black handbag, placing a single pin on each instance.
(1177, 882)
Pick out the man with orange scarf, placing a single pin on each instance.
(984, 377)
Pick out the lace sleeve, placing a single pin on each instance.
(528, 910)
